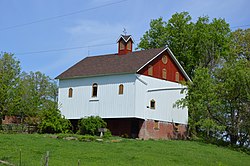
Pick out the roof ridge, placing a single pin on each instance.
(124, 54)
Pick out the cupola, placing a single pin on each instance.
(125, 44)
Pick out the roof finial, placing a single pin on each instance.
(124, 31)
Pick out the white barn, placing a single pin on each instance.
(134, 92)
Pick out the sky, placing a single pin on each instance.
(51, 36)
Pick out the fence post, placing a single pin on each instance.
(47, 159)
(20, 157)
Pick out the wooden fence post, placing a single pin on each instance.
(47, 159)
(20, 157)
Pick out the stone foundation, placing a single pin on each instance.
(164, 130)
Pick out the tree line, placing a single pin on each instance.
(32, 97)
(218, 62)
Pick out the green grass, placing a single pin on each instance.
(126, 152)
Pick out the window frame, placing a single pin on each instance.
(94, 89)
(121, 89)
(129, 45)
(70, 93)
(150, 70)
(164, 59)
(156, 125)
(152, 102)
(164, 73)
(122, 45)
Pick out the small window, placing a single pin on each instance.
(129, 45)
(177, 77)
(164, 59)
(70, 92)
(156, 125)
(164, 73)
(122, 45)
(176, 127)
(150, 70)
(121, 89)
(152, 104)
(94, 90)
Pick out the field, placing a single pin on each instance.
(126, 152)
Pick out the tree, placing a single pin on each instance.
(218, 103)
(199, 44)
(9, 83)
(240, 44)
(37, 92)
(203, 105)
(233, 86)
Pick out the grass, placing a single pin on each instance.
(127, 152)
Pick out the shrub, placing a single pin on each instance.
(91, 125)
(107, 134)
(51, 121)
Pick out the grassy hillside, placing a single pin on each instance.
(126, 152)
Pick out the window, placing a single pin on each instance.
(176, 127)
(156, 125)
(70, 92)
(164, 73)
(152, 104)
(150, 70)
(122, 45)
(120, 89)
(129, 45)
(177, 79)
(164, 59)
(94, 90)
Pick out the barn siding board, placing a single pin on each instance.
(165, 94)
(134, 103)
(107, 104)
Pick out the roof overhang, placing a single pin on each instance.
(126, 40)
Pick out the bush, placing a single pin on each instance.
(107, 134)
(91, 125)
(51, 121)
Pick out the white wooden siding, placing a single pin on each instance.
(107, 104)
(165, 94)
(134, 102)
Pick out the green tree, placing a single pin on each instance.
(219, 102)
(240, 44)
(37, 91)
(233, 87)
(195, 44)
(9, 83)
(203, 105)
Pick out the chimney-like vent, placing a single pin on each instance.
(125, 44)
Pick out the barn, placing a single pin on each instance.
(133, 91)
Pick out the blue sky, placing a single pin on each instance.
(96, 29)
